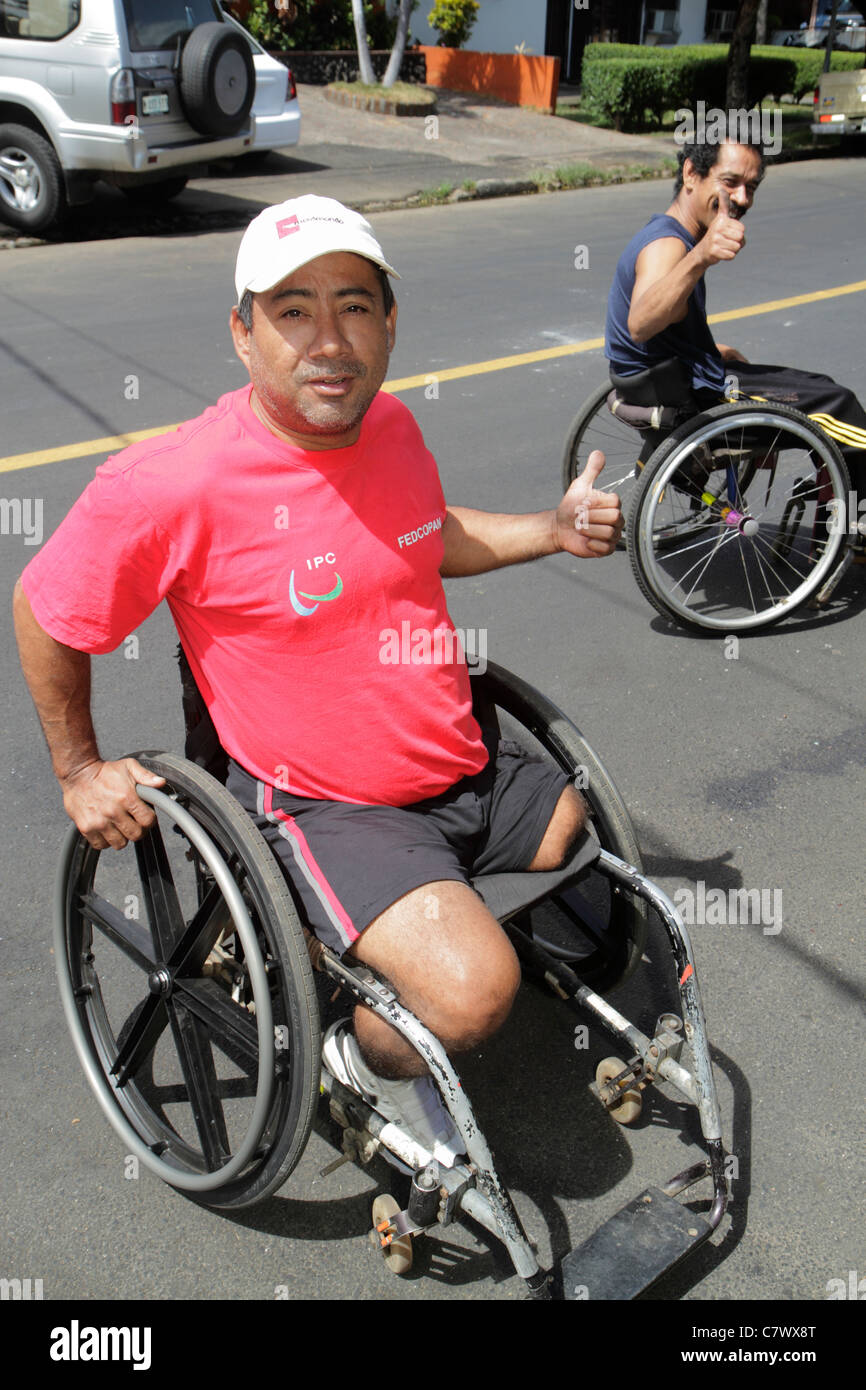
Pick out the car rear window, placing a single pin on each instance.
(38, 19)
(160, 23)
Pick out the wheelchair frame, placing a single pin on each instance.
(277, 987)
(708, 548)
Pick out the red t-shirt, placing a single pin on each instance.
(305, 588)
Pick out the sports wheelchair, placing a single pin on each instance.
(735, 515)
(198, 1027)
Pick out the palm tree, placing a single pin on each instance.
(365, 65)
(395, 61)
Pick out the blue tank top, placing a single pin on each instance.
(691, 340)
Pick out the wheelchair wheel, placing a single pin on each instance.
(593, 427)
(738, 518)
(189, 993)
(595, 926)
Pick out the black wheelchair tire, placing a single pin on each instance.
(602, 970)
(295, 1086)
(593, 427)
(660, 475)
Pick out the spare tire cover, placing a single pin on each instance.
(217, 79)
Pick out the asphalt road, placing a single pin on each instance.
(738, 772)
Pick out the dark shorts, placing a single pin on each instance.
(347, 863)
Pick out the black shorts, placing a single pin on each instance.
(347, 863)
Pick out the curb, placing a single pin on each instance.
(382, 106)
(483, 188)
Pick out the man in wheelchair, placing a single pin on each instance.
(657, 338)
(290, 528)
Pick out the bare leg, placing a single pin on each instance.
(449, 960)
(451, 965)
(563, 828)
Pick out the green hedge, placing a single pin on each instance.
(810, 65)
(629, 85)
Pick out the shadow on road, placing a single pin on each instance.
(194, 212)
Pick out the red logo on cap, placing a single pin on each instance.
(287, 226)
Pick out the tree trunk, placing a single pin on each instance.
(831, 36)
(736, 97)
(761, 28)
(396, 59)
(365, 65)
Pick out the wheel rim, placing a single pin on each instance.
(20, 179)
(765, 539)
(230, 82)
(119, 1048)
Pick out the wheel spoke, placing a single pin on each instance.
(163, 907)
(143, 1037)
(199, 1086)
(229, 1024)
(132, 938)
(774, 467)
(197, 1064)
(199, 937)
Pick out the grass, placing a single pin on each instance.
(797, 138)
(571, 111)
(588, 176)
(404, 93)
(429, 197)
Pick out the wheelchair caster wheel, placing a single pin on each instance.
(398, 1252)
(626, 1111)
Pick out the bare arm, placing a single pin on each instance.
(666, 273)
(586, 523)
(99, 796)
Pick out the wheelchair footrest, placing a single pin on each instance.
(626, 1255)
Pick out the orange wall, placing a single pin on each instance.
(523, 80)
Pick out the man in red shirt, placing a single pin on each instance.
(293, 529)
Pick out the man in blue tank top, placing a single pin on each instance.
(657, 304)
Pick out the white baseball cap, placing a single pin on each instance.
(285, 237)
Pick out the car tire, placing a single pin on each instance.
(32, 191)
(217, 80)
(154, 194)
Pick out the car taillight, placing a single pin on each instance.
(815, 97)
(293, 91)
(122, 96)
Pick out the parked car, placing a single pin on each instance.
(839, 105)
(139, 93)
(847, 17)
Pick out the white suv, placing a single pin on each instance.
(135, 92)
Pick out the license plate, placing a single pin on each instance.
(154, 104)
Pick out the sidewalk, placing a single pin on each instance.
(370, 162)
(366, 159)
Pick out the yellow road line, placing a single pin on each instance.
(109, 445)
(409, 383)
(773, 304)
(494, 364)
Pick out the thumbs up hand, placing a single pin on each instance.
(724, 237)
(588, 522)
